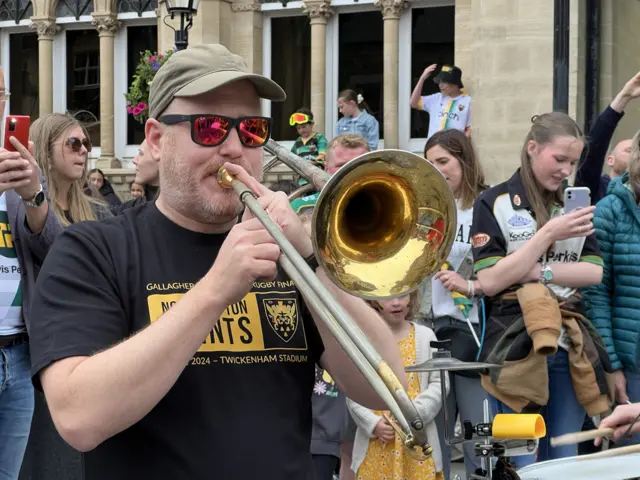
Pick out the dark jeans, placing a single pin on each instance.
(324, 466)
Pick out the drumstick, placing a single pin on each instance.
(614, 452)
(572, 438)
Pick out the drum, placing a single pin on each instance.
(621, 467)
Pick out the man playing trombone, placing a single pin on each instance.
(167, 341)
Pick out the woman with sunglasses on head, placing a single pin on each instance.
(531, 256)
(455, 293)
(62, 149)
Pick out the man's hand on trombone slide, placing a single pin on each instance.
(335, 360)
(276, 204)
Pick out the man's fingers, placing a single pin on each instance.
(267, 251)
(243, 176)
(265, 269)
(252, 224)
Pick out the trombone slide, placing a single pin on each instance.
(342, 327)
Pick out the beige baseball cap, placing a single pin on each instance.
(200, 69)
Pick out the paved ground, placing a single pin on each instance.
(457, 468)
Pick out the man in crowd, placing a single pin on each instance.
(167, 341)
(341, 150)
(28, 228)
(618, 162)
(589, 172)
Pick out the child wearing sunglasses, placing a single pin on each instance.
(310, 145)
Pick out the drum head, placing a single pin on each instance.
(621, 467)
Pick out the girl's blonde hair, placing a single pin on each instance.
(413, 313)
(543, 130)
(634, 166)
(44, 132)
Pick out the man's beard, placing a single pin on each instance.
(183, 192)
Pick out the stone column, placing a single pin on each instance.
(46, 28)
(319, 12)
(391, 10)
(107, 25)
(246, 40)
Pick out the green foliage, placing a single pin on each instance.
(138, 95)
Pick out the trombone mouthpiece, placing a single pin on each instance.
(225, 179)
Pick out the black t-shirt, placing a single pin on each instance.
(241, 409)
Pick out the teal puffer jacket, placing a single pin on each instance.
(614, 305)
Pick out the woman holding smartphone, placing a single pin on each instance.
(531, 257)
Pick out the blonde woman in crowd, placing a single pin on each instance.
(455, 299)
(378, 452)
(531, 256)
(62, 148)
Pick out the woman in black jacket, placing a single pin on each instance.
(96, 177)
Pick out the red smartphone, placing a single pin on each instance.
(16, 126)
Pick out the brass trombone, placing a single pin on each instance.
(382, 224)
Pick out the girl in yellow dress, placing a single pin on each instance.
(378, 452)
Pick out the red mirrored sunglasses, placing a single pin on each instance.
(211, 130)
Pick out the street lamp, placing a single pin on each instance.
(186, 9)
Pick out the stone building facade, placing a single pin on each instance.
(79, 56)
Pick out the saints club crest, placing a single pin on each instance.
(283, 317)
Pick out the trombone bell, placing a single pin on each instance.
(384, 222)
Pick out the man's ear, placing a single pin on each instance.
(611, 160)
(153, 132)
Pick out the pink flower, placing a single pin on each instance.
(142, 105)
(152, 59)
(136, 111)
(129, 108)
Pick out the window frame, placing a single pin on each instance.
(6, 30)
(60, 67)
(123, 150)
(293, 9)
(405, 87)
(273, 10)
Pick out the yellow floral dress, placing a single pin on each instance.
(389, 461)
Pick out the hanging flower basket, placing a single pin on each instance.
(138, 95)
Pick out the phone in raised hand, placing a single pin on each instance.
(575, 198)
(16, 126)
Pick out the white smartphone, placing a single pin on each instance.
(576, 197)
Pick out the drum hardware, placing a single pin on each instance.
(495, 444)
(381, 225)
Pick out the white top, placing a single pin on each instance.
(441, 299)
(446, 112)
(428, 404)
(11, 321)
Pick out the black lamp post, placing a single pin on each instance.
(186, 9)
